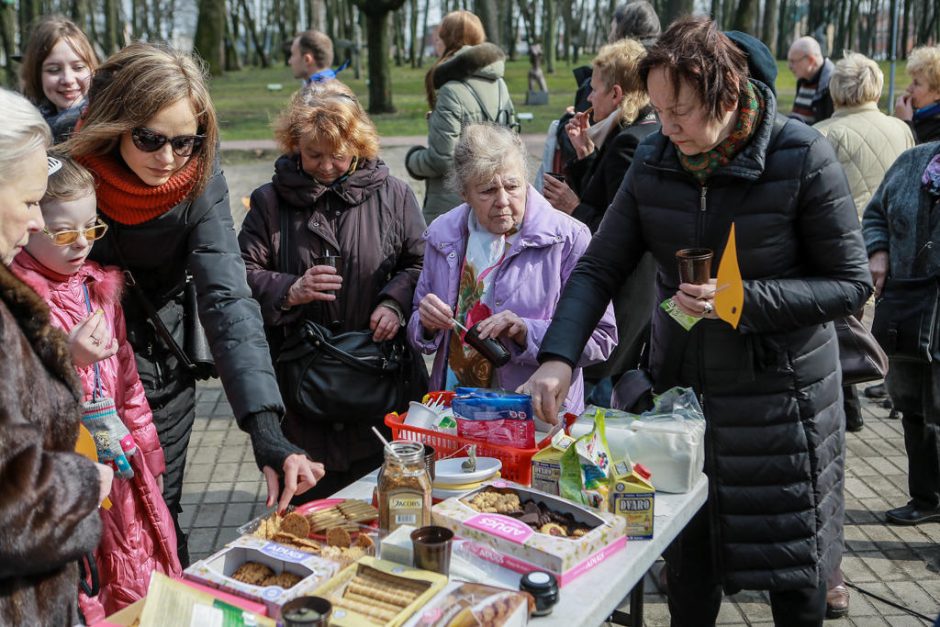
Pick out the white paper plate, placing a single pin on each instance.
(449, 471)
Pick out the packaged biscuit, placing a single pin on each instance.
(546, 464)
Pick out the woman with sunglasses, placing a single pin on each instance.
(149, 135)
(49, 496)
(137, 537)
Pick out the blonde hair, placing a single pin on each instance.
(23, 131)
(457, 29)
(70, 182)
(331, 113)
(925, 62)
(46, 33)
(133, 86)
(618, 64)
(856, 80)
(484, 151)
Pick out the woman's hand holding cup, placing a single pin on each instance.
(317, 283)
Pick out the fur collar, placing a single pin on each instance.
(105, 283)
(48, 342)
(466, 62)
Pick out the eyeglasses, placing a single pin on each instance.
(792, 62)
(151, 141)
(67, 238)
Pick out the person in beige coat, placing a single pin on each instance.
(866, 142)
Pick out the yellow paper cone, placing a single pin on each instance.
(729, 298)
(86, 448)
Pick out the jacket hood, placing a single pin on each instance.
(105, 283)
(484, 60)
(299, 189)
(659, 152)
(761, 64)
(542, 224)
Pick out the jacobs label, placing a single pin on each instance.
(405, 508)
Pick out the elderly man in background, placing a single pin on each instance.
(813, 71)
(311, 55)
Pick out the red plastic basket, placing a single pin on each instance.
(517, 462)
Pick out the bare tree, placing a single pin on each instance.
(488, 13)
(256, 41)
(745, 16)
(210, 35)
(112, 28)
(550, 33)
(769, 28)
(413, 32)
(380, 77)
(7, 36)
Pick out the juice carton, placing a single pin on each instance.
(632, 496)
(546, 464)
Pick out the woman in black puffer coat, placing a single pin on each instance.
(770, 388)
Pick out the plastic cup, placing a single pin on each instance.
(695, 265)
(429, 455)
(306, 612)
(432, 547)
(334, 261)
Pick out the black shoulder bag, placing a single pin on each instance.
(343, 377)
(906, 314)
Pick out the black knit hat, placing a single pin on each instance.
(760, 62)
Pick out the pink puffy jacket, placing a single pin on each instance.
(138, 535)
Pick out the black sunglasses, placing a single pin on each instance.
(151, 141)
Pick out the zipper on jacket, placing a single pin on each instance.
(703, 207)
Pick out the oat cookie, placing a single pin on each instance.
(252, 573)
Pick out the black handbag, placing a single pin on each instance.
(860, 356)
(344, 377)
(195, 343)
(906, 319)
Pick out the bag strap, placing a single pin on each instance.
(97, 393)
(499, 107)
(150, 310)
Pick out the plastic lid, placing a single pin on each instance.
(642, 471)
(538, 580)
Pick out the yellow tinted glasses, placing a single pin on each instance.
(67, 238)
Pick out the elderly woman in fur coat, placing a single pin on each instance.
(49, 495)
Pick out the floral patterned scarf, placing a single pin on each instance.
(704, 164)
(930, 181)
(485, 253)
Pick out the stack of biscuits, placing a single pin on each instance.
(377, 596)
(255, 574)
(294, 530)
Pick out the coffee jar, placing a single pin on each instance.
(404, 487)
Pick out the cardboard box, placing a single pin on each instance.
(546, 464)
(513, 544)
(464, 603)
(394, 580)
(632, 497)
(215, 571)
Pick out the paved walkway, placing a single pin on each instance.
(223, 489)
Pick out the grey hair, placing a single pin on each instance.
(856, 80)
(636, 20)
(484, 151)
(23, 131)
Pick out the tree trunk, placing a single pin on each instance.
(380, 77)
(111, 20)
(253, 33)
(424, 33)
(413, 32)
(78, 12)
(528, 12)
(210, 35)
(550, 33)
(745, 16)
(8, 41)
(398, 37)
(769, 29)
(30, 10)
(676, 9)
(488, 13)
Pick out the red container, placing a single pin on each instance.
(517, 462)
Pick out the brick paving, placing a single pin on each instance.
(223, 489)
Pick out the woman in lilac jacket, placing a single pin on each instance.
(501, 259)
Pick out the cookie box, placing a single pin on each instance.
(464, 603)
(376, 592)
(216, 571)
(515, 545)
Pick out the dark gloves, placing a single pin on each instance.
(267, 440)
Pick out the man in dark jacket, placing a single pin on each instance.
(813, 102)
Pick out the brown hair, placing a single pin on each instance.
(329, 112)
(693, 50)
(46, 33)
(131, 87)
(616, 64)
(70, 182)
(318, 45)
(457, 29)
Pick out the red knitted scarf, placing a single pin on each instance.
(126, 199)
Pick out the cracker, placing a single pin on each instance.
(285, 580)
(296, 525)
(252, 573)
(337, 536)
(365, 542)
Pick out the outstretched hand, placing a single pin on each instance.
(300, 474)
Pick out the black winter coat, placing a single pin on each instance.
(770, 389)
(373, 220)
(198, 237)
